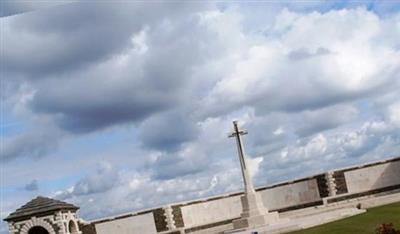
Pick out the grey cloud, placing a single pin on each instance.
(9, 8)
(304, 53)
(310, 122)
(81, 107)
(79, 112)
(167, 131)
(282, 95)
(12, 7)
(103, 179)
(77, 35)
(262, 138)
(34, 144)
(32, 186)
(270, 133)
(210, 147)
(111, 93)
(64, 39)
(172, 165)
(301, 97)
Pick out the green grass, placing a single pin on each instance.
(360, 224)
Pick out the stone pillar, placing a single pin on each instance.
(58, 219)
(12, 228)
(330, 182)
(170, 218)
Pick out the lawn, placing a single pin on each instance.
(360, 224)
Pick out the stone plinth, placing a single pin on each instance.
(256, 221)
(254, 214)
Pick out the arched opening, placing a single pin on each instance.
(73, 229)
(38, 230)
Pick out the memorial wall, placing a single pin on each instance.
(184, 217)
(134, 224)
(375, 177)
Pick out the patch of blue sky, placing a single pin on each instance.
(384, 8)
(368, 111)
(12, 128)
(261, 15)
(10, 125)
(380, 7)
(45, 187)
(59, 183)
(8, 190)
(85, 152)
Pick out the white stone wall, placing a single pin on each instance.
(141, 224)
(211, 211)
(374, 177)
(291, 195)
(283, 196)
(228, 208)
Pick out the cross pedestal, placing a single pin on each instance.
(254, 213)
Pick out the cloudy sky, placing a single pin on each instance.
(120, 106)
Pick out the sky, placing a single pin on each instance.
(124, 105)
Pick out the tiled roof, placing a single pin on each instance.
(40, 205)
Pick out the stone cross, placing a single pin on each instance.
(237, 133)
(254, 213)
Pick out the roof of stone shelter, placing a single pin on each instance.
(40, 205)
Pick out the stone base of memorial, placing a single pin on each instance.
(254, 214)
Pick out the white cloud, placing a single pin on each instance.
(394, 114)
(315, 90)
(279, 131)
(354, 62)
(254, 165)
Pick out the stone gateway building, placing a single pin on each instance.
(44, 216)
(338, 194)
